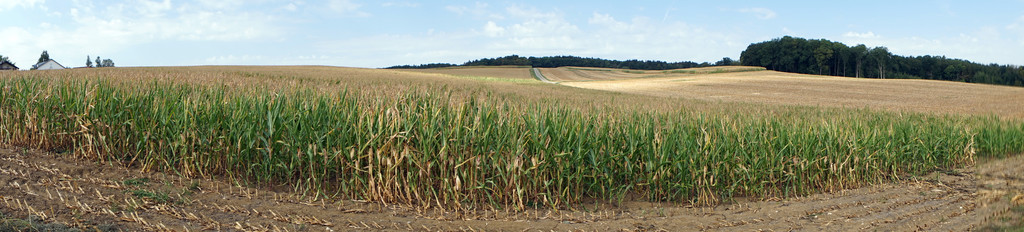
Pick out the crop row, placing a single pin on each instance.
(430, 146)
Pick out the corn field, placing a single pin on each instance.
(470, 146)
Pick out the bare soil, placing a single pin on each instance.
(87, 195)
(780, 88)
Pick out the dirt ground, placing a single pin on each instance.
(812, 90)
(90, 196)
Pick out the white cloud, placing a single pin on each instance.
(223, 4)
(271, 60)
(866, 35)
(232, 59)
(531, 13)
(493, 30)
(985, 45)
(347, 8)
(644, 38)
(1017, 27)
(153, 9)
(11, 4)
(534, 32)
(546, 32)
(116, 27)
(161, 20)
(391, 49)
(13, 46)
(607, 21)
(400, 4)
(479, 10)
(761, 13)
(457, 9)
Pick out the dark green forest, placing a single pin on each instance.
(561, 61)
(824, 57)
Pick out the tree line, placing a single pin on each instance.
(423, 66)
(824, 57)
(561, 61)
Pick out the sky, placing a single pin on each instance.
(372, 34)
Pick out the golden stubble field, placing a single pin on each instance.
(57, 188)
(773, 87)
(480, 71)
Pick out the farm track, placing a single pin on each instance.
(88, 195)
(540, 76)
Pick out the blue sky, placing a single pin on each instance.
(362, 33)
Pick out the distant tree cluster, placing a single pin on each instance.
(99, 63)
(561, 61)
(423, 66)
(824, 57)
(43, 57)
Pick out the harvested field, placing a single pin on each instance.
(569, 74)
(811, 90)
(475, 71)
(87, 195)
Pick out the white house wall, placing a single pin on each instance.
(49, 66)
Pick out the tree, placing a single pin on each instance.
(839, 58)
(881, 56)
(789, 54)
(43, 57)
(822, 54)
(108, 63)
(560, 61)
(4, 58)
(726, 61)
(859, 53)
(955, 71)
(88, 62)
(98, 62)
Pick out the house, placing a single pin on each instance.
(48, 65)
(4, 65)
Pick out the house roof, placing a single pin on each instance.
(9, 63)
(44, 62)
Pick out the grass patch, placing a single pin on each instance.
(157, 197)
(136, 181)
